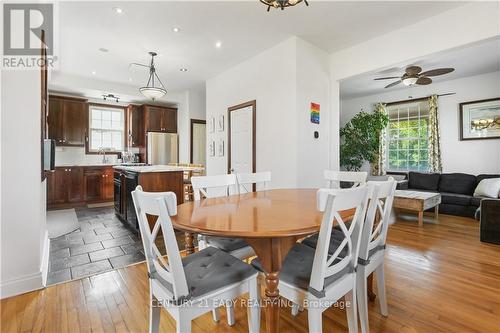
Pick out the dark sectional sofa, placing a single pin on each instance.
(456, 189)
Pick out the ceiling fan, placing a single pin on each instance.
(414, 75)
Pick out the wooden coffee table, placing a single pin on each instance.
(418, 202)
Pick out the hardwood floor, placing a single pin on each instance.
(440, 278)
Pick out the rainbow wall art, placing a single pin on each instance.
(314, 113)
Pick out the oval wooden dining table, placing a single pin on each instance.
(270, 221)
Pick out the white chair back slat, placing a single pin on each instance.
(333, 178)
(336, 201)
(245, 180)
(163, 205)
(382, 197)
(213, 186)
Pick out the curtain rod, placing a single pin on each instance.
(417, 99)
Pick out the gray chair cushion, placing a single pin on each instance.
(226, 244)
(209, 270)
(297, 268)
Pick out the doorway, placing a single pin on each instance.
(198, 141)
(242, 138)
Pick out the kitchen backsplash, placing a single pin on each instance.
(76, 156)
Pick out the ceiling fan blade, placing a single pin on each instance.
(438, 71)
(413, 70)
(424, 80)
(393, 84)
(386, 78)
(137, 64)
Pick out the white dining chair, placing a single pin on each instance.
(372, 247)
(245, 181)
(333, 178)
(313, 278)
(213, 187)
(194, 285)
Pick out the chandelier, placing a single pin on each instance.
(281, 3)
(152, 89)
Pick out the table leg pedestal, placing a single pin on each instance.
(189, 237)
(272, 302)
(271, 253)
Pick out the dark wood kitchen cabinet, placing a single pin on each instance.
(160, 119)
(126, 181)
(94, 183)
(98, 184)
(64, 186)
(135, 126)
(66, 120)
(74, 183)
(76, 186)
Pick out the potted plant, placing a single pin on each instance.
(360, 139)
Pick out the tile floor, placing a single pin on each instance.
(102, 243)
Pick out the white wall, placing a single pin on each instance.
(457, 27)
(269, 78)
(283, 80)
(313, 85)
(23, 229)
(475, 156)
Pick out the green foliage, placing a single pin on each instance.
(360, 139)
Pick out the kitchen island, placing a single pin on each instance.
(153, 178)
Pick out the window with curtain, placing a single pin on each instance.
(106, 128)
(408, 136)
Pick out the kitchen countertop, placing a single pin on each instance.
(156, 168)
(64, 165)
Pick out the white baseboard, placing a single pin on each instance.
(44, 267)
(29, 282)
(21, 285)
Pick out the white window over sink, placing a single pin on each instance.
(106, 128)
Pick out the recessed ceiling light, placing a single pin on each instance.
(93, 72)
(103, 49)
(130, 79)
(118, 10)
(218, 44)
(183, 69)
(175, 29)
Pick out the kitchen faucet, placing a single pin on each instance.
(103, 152)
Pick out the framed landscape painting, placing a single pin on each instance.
(480, 119)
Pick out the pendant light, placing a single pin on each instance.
(152, 89)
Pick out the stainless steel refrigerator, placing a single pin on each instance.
(162, 148)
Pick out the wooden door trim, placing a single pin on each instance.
(193, 121)
(253, 104)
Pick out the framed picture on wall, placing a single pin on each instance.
(480, 119)
(211, 148)
(220, 123)
(220, 147)
(211, 124)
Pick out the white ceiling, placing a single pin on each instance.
(480, 58)
(243, 27)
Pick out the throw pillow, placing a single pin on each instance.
(489, 188)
